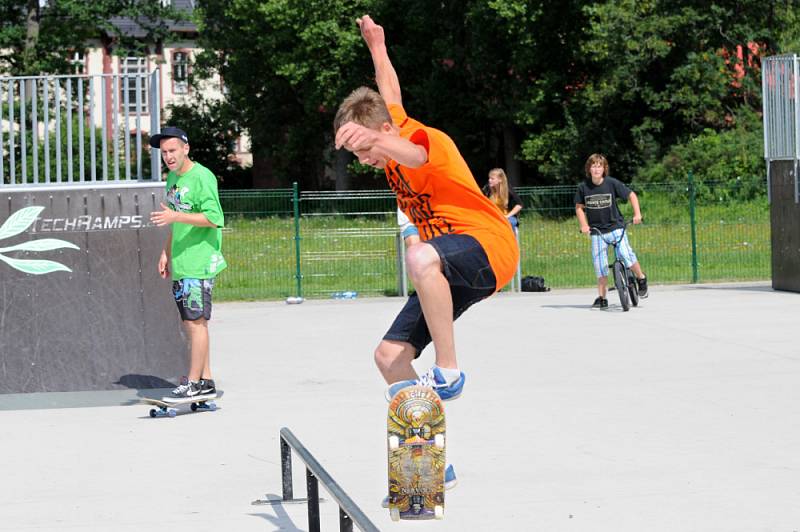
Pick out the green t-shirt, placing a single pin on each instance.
(196, 251)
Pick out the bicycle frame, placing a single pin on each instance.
(624, 279)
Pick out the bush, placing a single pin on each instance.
(734, 154)
(212, 132)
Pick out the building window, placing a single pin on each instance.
(78, 62)
(180, 73)
(132, 68)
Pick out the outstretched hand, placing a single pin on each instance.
(163, 217)
(371, 32)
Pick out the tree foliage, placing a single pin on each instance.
(213, 131)
(734, 153)
(38, 39)
(655, 73)
(531, 85)
(285, 65)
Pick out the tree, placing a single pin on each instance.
(654, 73)
(488, 73)
(285, 66)
(37, 39)
(212, 129)
(534, 86)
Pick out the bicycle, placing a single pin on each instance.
(624, 279)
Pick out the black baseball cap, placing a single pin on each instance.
(166, 133)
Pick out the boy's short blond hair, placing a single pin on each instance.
(363, 106)
(596, 158)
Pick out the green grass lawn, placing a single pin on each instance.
(340, 252)
(725, 252)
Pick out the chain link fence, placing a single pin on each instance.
(282, 243)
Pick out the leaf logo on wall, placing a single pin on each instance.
(18, 223)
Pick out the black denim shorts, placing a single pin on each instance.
(466, 267)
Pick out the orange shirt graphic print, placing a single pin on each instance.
(442, 197)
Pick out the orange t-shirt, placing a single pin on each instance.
(442, 197)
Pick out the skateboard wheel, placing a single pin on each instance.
(438, 440)
(212, 406)
(438, 511)
(394, 513)
(194, 407)
(394, 443)
(172, 412)
(153, 412)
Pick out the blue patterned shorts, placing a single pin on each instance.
(193, 297)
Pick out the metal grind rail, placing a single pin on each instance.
(349, 512)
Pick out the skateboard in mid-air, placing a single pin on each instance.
(170, 408)
(416, 446)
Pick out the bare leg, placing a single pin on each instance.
(602, 286)
(637, 270)
(198, 342)
(433, 290)
(394, 360)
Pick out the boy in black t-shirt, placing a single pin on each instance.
(596, 207)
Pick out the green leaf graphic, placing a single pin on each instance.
(35, 267)
(43, 244)
(19, 221)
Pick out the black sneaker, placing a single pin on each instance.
(207, 386)
(600, 303)
(182, 392)
(642, 283)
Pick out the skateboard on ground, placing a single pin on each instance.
(170, 409)
(416, 445)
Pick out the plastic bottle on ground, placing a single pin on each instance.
(344, 295)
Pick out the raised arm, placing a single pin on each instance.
(385, 75)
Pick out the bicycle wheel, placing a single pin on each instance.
(633, 288)
(622, 285)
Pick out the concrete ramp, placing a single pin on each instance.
(82, 306)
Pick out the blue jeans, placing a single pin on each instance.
(471, 278)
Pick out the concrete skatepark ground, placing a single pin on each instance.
(679, 415)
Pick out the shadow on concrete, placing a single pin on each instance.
(146, 387)
(611, 307)
(136, 388)
(585, 307)
(143, 381)
(281, 519)
(750, 288)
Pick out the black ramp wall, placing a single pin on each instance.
(108, 323)
(785, 226)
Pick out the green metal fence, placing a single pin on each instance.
(347, 241)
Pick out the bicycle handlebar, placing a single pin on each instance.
(625, 224)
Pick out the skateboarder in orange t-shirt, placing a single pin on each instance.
(468, 250)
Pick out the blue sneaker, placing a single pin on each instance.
(450, 482)
(450, 479)
(432, 379)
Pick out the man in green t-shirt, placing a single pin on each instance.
(193, 252)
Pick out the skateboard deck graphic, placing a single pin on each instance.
(416, 447)
(170, 408)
